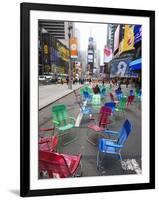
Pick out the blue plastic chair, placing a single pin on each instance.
(110, 105)
(118, 94)
(131, 93)
(107, 146)
(87, 96)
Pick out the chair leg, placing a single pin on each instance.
(98, 155)
(79, 170)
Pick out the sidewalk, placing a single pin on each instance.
(51, 93)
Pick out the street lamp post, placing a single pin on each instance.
(69, 70)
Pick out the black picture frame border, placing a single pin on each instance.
(25, 9)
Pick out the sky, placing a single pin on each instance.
(95, 30)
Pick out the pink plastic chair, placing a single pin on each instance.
(58, 165)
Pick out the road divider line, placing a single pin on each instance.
(80, 115)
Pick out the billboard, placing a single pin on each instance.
(73, 47)
(137, 34)
(62, 51)
(120, 67)
(107, 54)
(127, 42)
(116, 38)
(90, 58)
(45, 50)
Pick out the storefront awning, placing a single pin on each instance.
(135, 64)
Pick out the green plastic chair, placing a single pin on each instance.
(61, 121)
(88, 89)
(122, 105)
(81, 90)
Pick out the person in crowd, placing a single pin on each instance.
(67, 80)
(90, 81)
(61, 81)
(103, 81)
(127, 83)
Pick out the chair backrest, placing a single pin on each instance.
(103, 91)
(54, 163)
(111, 97)
(124, 133)
(105, 112)
(96, 99)
(131, 92)
(122, 102)
(48, 143)
(89, 90)
(130, 99)
(86, 95)
(81, 91)
(110, 105)
(119, 95)
(59, 113)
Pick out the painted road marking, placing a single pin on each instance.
(131, 164)
(80, 115)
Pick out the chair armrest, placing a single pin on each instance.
(114, 145)
(111, 132)
(46, 129)
(56, 123)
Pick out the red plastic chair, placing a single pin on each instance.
(130, 99)
(48, 143)
(105, 113)
(103, 122)
(103, 119)
(58, 165)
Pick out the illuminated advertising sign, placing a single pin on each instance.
(137, 33)
(107, 54)
(90, 58)
(116, 38)
(127, 42)
(73, 46)
(128, 38)
(62, 51)
(120, 67)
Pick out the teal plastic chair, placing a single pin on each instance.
(138, 95)
(96, 99)
(61, 121)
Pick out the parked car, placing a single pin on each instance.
(42, 78)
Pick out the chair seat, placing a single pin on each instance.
(86, 110)
(104, 146)
(95, 127)
(72, 162)
(66, 127)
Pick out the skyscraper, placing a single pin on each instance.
(110, 35)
